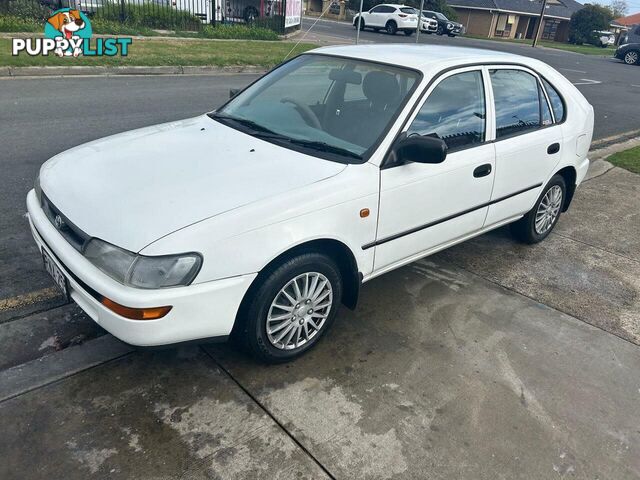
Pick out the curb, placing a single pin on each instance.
(169, 70)
(29, 376)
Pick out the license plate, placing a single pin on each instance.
(55, 272)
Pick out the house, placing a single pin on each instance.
(515, 18)
(628, 21)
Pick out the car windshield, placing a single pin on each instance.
(334, 108)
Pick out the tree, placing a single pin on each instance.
(587, 20)
(618, 8)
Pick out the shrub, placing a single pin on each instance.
(9, 23)
(237, 31)
(25, 9)
(587, 20)
(150, 15)
(109, 27)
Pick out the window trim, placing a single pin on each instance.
(562, 100)
(414, 114)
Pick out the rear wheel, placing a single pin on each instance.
(536, 225)
(294, 305)
(391, 27)
(631, 57)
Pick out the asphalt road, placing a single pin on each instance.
(612, 87)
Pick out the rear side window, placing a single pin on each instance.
(544, 108)
(454, 111)
(410, 11)
(556, 101)
(517, 102)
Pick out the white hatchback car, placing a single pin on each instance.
(262, 217)
(390, 18)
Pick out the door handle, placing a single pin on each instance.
(553, 148)
(482, 170)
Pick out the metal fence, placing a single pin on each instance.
(189, 15)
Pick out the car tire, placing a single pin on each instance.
(440, 31)
(391, 27)
(451, 34)
(258, 311)
(632, 57)
(408, 33)
(538, 223)
(355, 24)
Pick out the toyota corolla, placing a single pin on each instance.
(259, 219)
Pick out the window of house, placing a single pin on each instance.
(550, 28)
(517, 102)
(454, 111)
(556, 101)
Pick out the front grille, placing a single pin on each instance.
(72, 234)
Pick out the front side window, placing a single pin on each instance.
(517, 102)
(556, 101)
(454, 111)
(330, 107)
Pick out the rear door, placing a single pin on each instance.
(376, 16)
(527, 141)
(424, 206)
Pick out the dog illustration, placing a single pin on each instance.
(67, 23)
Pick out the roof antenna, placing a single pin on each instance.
(314, 24)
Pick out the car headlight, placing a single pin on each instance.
(143, 271)
(449, 26)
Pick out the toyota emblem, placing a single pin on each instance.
(59, 223)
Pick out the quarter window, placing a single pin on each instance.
(517, 102)
(544, 108)
(556, 101)
(454, 111)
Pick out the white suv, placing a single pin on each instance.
(390, 18)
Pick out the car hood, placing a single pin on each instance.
(133, 188)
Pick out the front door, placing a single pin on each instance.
(424, 206)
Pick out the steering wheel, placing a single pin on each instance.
(305, 111)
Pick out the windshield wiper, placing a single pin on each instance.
(325, 147)
(262, 132)
(256, 127)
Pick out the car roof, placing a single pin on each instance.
(392, 5)
(426, 58)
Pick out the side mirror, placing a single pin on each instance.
(420, 149)
(233, 92)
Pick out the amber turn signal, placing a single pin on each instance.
(152, 313)
(364, 213)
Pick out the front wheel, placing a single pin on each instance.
(293, 306)
(631, 57)
(440, 31)
(355, 24)
(537, 224)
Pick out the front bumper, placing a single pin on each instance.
(428, 27)
(202, 310)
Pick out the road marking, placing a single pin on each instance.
(586, 81)
(571, 70)
(637, 86)
(28, 298)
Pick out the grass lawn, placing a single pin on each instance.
(584, 49)
(629, 159)
(161, 52)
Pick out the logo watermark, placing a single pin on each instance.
(68, 33)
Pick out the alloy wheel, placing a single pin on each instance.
(631, 58)
(299, 311)
(548, 210)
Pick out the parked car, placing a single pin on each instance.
(629, 48)
(334, 8)
(428, 24)
(445, 26)
(604, 39)
(259, 219)
(391, 18)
